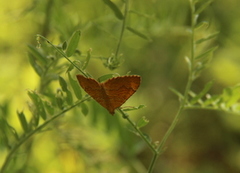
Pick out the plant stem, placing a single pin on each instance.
(123, 29)
(27, 136)
(153, 162)
(140, 133)
(125, 116)
(48, 16)
(160, 148)
(189, 82)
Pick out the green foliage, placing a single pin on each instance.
(114, 8)
(23, 121)
(37, 108)
(227, 101)
(138, 33)
(73, 43)
(57, 95)
(142, 122)
(75, 86)
(84, 109)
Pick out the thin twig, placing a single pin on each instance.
(160, 148)
(122, 29)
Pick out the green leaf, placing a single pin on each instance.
(5, 128)
(63, 84)
(49, 108)
(141, 106)
(212, 100)
(38, 104)
(35, 120)
(142, 14)
(84, 109)
(59, 101)
(23, 121)
(202, 24)
(138, 33)
(177, 93)
(4, 108)
(147, 137)
(70, 68)
(73, 43)
(203, 6)
(207, 38)
(231, 95)
(64, 45)
(131, 108)
(39, 56)
(206, 88)
(69, 97)
(189, 63)
(207, 52)
(106, 77)
(4, 141)
(142, 122)
(115, 9)
(87, 59)
(6, 132)
(77, 63)
(37, 68)
(75, 86)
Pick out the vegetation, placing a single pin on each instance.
(183, 118)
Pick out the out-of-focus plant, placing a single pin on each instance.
(48, 105)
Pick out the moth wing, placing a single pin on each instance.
(119, 89)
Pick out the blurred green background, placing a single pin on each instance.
(203, 142)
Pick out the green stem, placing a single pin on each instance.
(153, 162)
(27, 136)
(125, 116)
(48, 16)
(150, 145)
(170, 129)
(160, 148)
(123, 28)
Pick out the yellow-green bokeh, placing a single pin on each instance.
(202, 140)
